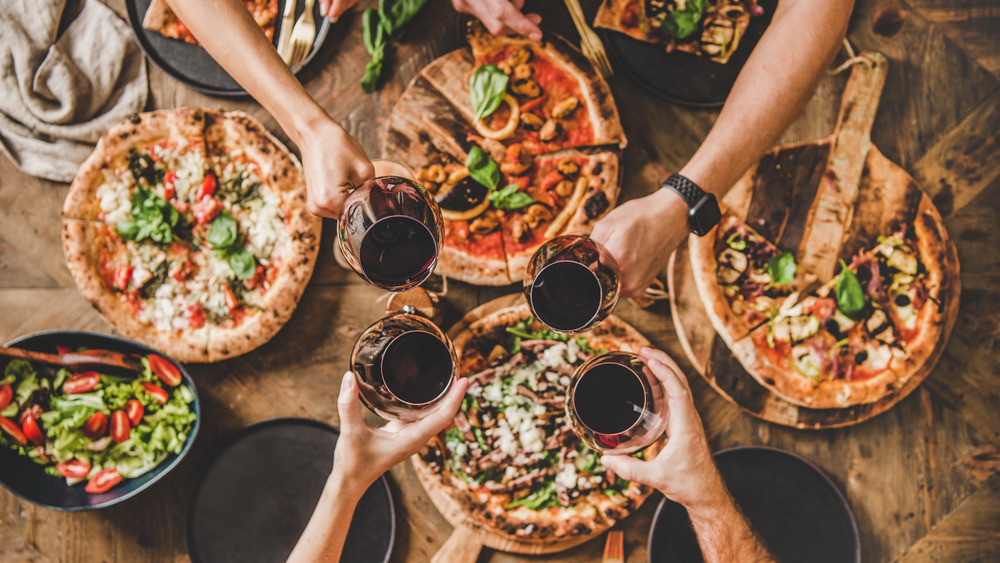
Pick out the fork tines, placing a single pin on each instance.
(590, 43)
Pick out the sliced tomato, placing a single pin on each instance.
(32, 430)
(63, 350)
(123, 273)
(74, 468)
(530, 106)
(134, 411)
(5, 395)
(120, 427)
(34, 410)
(156, 392)
(258, 277)
(231, 301)
(168, 184)
(81, 382)
(180, 206)
(207, 186)
(551, 179)
(104, 480)
(206, 210)
(165, 369)
(196, 315)
(13, 430)
(96, 426)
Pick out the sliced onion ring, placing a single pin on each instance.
(508, 129)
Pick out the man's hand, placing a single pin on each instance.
(641, 234)
(334, 163)
(333, 9)
(684, 470)
(502, 17)
(363, 453)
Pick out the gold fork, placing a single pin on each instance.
(590, 43)
(303, 35)
(614, 548)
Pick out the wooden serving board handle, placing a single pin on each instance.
(463, 546)
(835, 199)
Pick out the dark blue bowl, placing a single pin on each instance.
(28, 480)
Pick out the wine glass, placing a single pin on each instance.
(404, 365)
(571, 283)
(615, 407)
(390, 231)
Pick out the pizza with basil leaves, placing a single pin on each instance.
(187, 229)
(710, 28)
(512, 462)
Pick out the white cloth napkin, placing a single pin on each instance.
(60, 90)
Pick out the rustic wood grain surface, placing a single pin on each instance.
(921, 478)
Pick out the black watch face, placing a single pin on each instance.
(705, 215)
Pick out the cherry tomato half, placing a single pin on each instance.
(13, 430)
(32, 430)
(5, 395)
(81, 382)
(104, 480)
(120, 427)
(165, 369)
(134, 411)
(156, 392)
(207, 186)
(96, 426)
(74, 468)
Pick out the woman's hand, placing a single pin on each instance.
(684, 470)
(334, 164)
(502, 17)
(363, 453)
(333, 9)
(641, 234)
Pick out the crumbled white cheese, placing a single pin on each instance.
(492, 392)
(567, 476)
(552, 356)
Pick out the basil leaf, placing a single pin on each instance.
(679, 24)
(127, 229)
(152, 217)
(486, 88)
(379, 29)
(243, 264)
(782, 268)
(395, 14)
(510, 197)
(482, 168)
(850, 296)
(223, 232)
(371, 31)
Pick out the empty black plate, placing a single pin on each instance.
(191, 64)
(685, 78)
(797, 510)
(255, 498)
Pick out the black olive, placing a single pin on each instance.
(902, 300)
(860, 357)
(466, 194)
(834, 329)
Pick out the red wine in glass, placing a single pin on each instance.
(404, 365)
(571, 283)
(614, 406)
(390, 232)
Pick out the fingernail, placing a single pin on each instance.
(348, 381)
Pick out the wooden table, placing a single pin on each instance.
(921, 478)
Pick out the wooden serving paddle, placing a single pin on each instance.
(78, 360)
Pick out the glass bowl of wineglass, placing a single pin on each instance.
(390, 232)
(615, 405)
(571, 283)
(404, 365)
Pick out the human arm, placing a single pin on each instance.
(773, 87)
(333, 161)
(685, 472)
(363, 454)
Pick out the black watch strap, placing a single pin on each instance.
(688, 190)
(703, 210)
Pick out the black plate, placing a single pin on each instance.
(685, 78)
(28, 480)
(255, 498)
(192, 65)
(797, 510)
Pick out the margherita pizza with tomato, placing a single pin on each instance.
(519, 142)
(188, 230)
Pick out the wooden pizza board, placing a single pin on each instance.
(468, 538)
(823, 201)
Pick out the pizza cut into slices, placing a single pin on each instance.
(512, 461)
(188, 230)
(162, 19)
(709, 28)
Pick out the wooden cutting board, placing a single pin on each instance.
(823, 201)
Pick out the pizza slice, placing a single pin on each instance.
(711, 28)
(742, 278)
(162, 19)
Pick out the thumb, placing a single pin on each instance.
(348, 405)
(628, 468)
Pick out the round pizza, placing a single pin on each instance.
(858, 338)
(188, 230)
(518, 141)
(511, 462)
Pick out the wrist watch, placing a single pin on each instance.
(703, 209)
